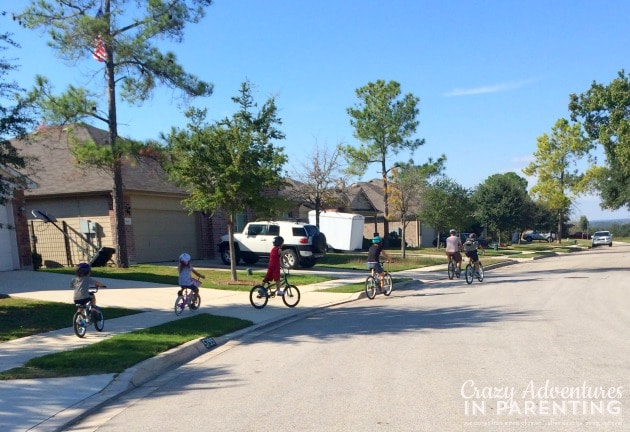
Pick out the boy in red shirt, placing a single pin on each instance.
(273, 269)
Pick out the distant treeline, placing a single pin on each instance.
(618, 228)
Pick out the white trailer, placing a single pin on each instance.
(343, 231)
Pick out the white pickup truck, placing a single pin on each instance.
(303, 243)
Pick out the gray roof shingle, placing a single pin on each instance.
(53, 166)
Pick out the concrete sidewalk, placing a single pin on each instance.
(52, 404)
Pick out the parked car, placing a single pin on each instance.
(602, 238)
(531, 235)
(303, 243)
(581, 235)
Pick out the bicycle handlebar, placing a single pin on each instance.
(94, 288)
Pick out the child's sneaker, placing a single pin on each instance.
(279, 293)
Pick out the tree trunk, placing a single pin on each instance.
(318, 208)
(386, 205)
(403, 244)
(122, 257)
(234, 278)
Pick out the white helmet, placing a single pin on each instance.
(184, 258)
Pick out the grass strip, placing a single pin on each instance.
(167, 275)
(119, 352)
(25, 317)
(359, 286)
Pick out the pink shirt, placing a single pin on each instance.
(453, 243)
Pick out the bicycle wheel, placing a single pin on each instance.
(370, 287)
(78, 324)
(258, 297)
(480, 277)
(388, 284)
(195, 302)
(451, 269)
(180, 304)
(98, 319)
(469, 274)
(291, 296)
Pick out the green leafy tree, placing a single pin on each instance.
(445, 205)
(15, 121)
(583, 224)
(408, 183)
(121, 41)
(604, 112)
(385, 123)
(555, 165)
(545, 218)
(502, 203)
(229, 165)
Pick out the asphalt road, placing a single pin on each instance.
(538, 346)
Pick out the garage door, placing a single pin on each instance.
(161, 235)
(8, 243)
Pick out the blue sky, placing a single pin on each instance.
(492, 76)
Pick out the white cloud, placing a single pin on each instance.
(495, 88)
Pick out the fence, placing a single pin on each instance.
(57, 244)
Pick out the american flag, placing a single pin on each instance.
(99, 53)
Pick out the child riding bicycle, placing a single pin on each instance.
(81, 284)
(470, 248)
(186, 271)
(273, 268)
(374, 257)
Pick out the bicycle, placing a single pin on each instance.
(187, 297)
(260, 294)
(372, 283)
(470, 272)
(86, 315)
(452, 268)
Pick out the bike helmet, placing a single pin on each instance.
(452, 231)
(184, 258)
(83, 269)
(278, 241)
(376, 240)
(473, 236)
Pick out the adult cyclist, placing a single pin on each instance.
(374, 257)
(470, 248)
(453, 248)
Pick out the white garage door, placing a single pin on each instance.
(8, 243)
(161, 235)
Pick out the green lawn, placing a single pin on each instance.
(117, 353)
(24, 317)
(167, 274)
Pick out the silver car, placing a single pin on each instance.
(602, 238)
(530, 235)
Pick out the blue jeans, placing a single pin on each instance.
(376, 266)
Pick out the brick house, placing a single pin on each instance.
(158, 227)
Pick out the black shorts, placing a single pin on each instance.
(472, 255)
(84, 301)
